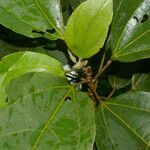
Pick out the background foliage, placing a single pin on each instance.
(40, 109)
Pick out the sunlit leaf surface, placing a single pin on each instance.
(130, 30)
(87, 27)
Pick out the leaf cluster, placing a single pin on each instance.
(74, 74)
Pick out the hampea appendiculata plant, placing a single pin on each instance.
(40, 108)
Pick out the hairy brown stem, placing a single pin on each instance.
(93, 81)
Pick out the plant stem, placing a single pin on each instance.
(103, 98)
(101, 65)
(112, 93)
(101, 70)
(97, 96)
(102, 62)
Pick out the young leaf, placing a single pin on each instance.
(130, 30)
(19, 63)
(124, 122)
(141, 82)
(87, 27)
(44, 112)
(117, 82)
(34, 18)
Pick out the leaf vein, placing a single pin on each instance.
(140, 36)
(126, 106)
(51, 117)
(130, 128)
(104, 119)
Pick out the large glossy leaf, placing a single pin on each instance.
(87, 27)
(141, 82)
(44, 112)
(117, 82)
(130, 30)
(17, 64)
(123, 123)
(33, 18)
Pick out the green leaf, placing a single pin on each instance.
(17, 64)
(75, 3)
(3, 51)
(123, 123)
(87, 27)
(65, 10)
(117, 82)
(141, 82)
(44, 112)
(35, 18)
(130, 30)
(8, 48)
(59, 55)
